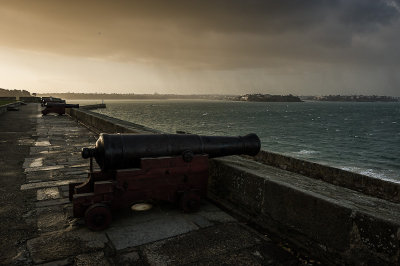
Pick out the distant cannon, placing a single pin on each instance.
(45, 100)
(140, 168)
(57, 108)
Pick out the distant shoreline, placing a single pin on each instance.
(256, 97)
(247, 97)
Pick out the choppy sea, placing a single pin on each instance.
(359, 137)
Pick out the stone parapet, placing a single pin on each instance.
(8, 98)
(368, 185)
(333, 223)
(30, 99)
(102, 123)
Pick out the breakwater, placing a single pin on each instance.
(338, 216)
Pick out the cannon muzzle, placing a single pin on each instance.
(122, 151)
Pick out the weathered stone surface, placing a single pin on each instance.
(375, 187)
(64, 262)
(264, 254)
(198, 220)
(216, 216)
(372, 234)
(54, 202)
(139, 234)
(17, 130)
(47, 193)
(91, 259)
(332, 221)
(229, 244)
(42, 142)
(33, 162)
(51, 218)
(130, 258)
(62, 244)
(44, 168)
(50, 183)
(38, 150)
(103, 123)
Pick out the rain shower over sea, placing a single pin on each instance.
(359, 137)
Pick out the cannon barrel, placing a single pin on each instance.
(121, 151)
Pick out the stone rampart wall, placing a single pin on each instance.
(30, 99)
(336, 225)
(105, 124)
(8, 98)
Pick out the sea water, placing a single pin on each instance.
(359, 137)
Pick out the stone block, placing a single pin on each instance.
(216, 216)
(198, 220)
(51, 219)
(91, 259)
(57, 183)
(54, 202)
(154, 230)
(130, 258)
(200, 245)
(63, 244)
(64, 262)
(47, 193)
(321, 220)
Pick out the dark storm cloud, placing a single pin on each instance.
(286, 38)
(364, 14)
(227, 33)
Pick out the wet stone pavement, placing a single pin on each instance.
(161, 236)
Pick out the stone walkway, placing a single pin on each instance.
(160, 236)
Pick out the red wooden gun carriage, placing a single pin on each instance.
(140, 168)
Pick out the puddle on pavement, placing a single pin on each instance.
(25, 141)
(42, 143)
(48, 193)
(44, 168)
(36, 163)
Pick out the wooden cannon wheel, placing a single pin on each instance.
(98, 217)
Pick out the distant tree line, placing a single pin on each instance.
(355, 98)
(14, 93)
(131, 96)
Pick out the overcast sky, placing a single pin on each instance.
(232, 47)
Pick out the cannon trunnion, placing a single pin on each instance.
(142, 168)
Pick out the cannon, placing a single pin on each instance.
(45, 100)
(140, 168)
(57, 108)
